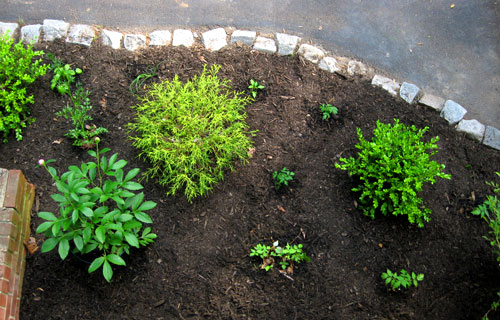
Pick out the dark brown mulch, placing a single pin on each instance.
(199, 266)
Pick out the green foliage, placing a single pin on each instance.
(393, 168)
(64, 76)
(282, 177)
(254, 87)
(489, 211)
(404, 279)
(287, 255)
(140, 81)
(190, 133)
(328, 110)
(98, 211)
(17, 71)
(82, 134)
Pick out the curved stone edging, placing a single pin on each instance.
(280, 43)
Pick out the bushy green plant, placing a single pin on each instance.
(83, 135)
(190, 133)
(282, 177)
(254, 87)
(97, 211)
(404, 279)
(392, 168)
(288, 255)
(63, 77)
(18, 69)
(327, 110)
(489, 211)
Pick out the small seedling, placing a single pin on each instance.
(405, 279)
(64, 76)
(328, 110)
(288, 255)
(254, 86)
(281, 178)
(140, 81)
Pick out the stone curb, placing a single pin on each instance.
(280, 43)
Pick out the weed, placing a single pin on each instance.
(328, 110)
(282, 177)
(404, 279)
(287, 255)
(254, 87)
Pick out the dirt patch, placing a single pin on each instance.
(199, 266)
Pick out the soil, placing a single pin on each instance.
(199, 267)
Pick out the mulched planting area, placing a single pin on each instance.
(199, 267)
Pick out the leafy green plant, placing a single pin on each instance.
(97, 211)
(289, 255)
(404, 279)
(282, 177)
(18, 69)
(393, 168)
(327, 110)
(82, 134)
(190, 133)
(63, 77)
(489, 211)
(138, 83)
(254, 87)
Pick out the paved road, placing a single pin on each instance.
(452, 52)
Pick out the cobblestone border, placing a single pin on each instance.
(279, 43)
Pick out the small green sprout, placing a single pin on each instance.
(254, 86)
(287, 255)
(281, 178)
(327, 110)
(404, 279)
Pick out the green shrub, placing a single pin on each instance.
(98, 211)
(190, 133)
(393, 168)
(17, 71)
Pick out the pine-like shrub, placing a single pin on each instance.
(190, 133)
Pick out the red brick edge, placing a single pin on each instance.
(16, 200)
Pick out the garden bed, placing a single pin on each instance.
(199, 266)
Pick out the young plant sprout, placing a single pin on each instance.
(283, 177)
(254, 86)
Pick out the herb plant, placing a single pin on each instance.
(83, 135)
(392, 169)
(190, 133)
(64, 76)
(404, 279)
(327, 110)
(18, 69)
(254, 87)
(287, 256)
(97, 212)
(489, 211)
(282, 177)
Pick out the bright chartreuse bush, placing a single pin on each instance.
(191, 132)
(392, 169)
(17, 71)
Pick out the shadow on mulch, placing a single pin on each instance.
(199, 266)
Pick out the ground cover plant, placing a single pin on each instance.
(199, 266)
(18, 69)
(97, 212)
(192, 132)
(393, 168)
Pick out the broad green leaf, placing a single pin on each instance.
(96, 264)
(107, 271)
(87, 233)
(78, 242)
(130, 185)
(119, 164)
(47, 216)
(148, 205)
(135, 201)
(143, 217)
(44, 226)
(63, 248)
(118, 200)
(131, 239)
(125, 217)
(89, 247)
(131, 174)
(87, 212)
(100, 234)
(115, 259)
(112, 160)
(58, 198)
(74, 216)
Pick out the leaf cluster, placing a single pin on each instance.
(393, 168)
(404, 279)
(190, 133)
(18, 69)
(282, 177)
(63, 77)
(98, 211)
(254, 87)
(288, 255)
(327, 110)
